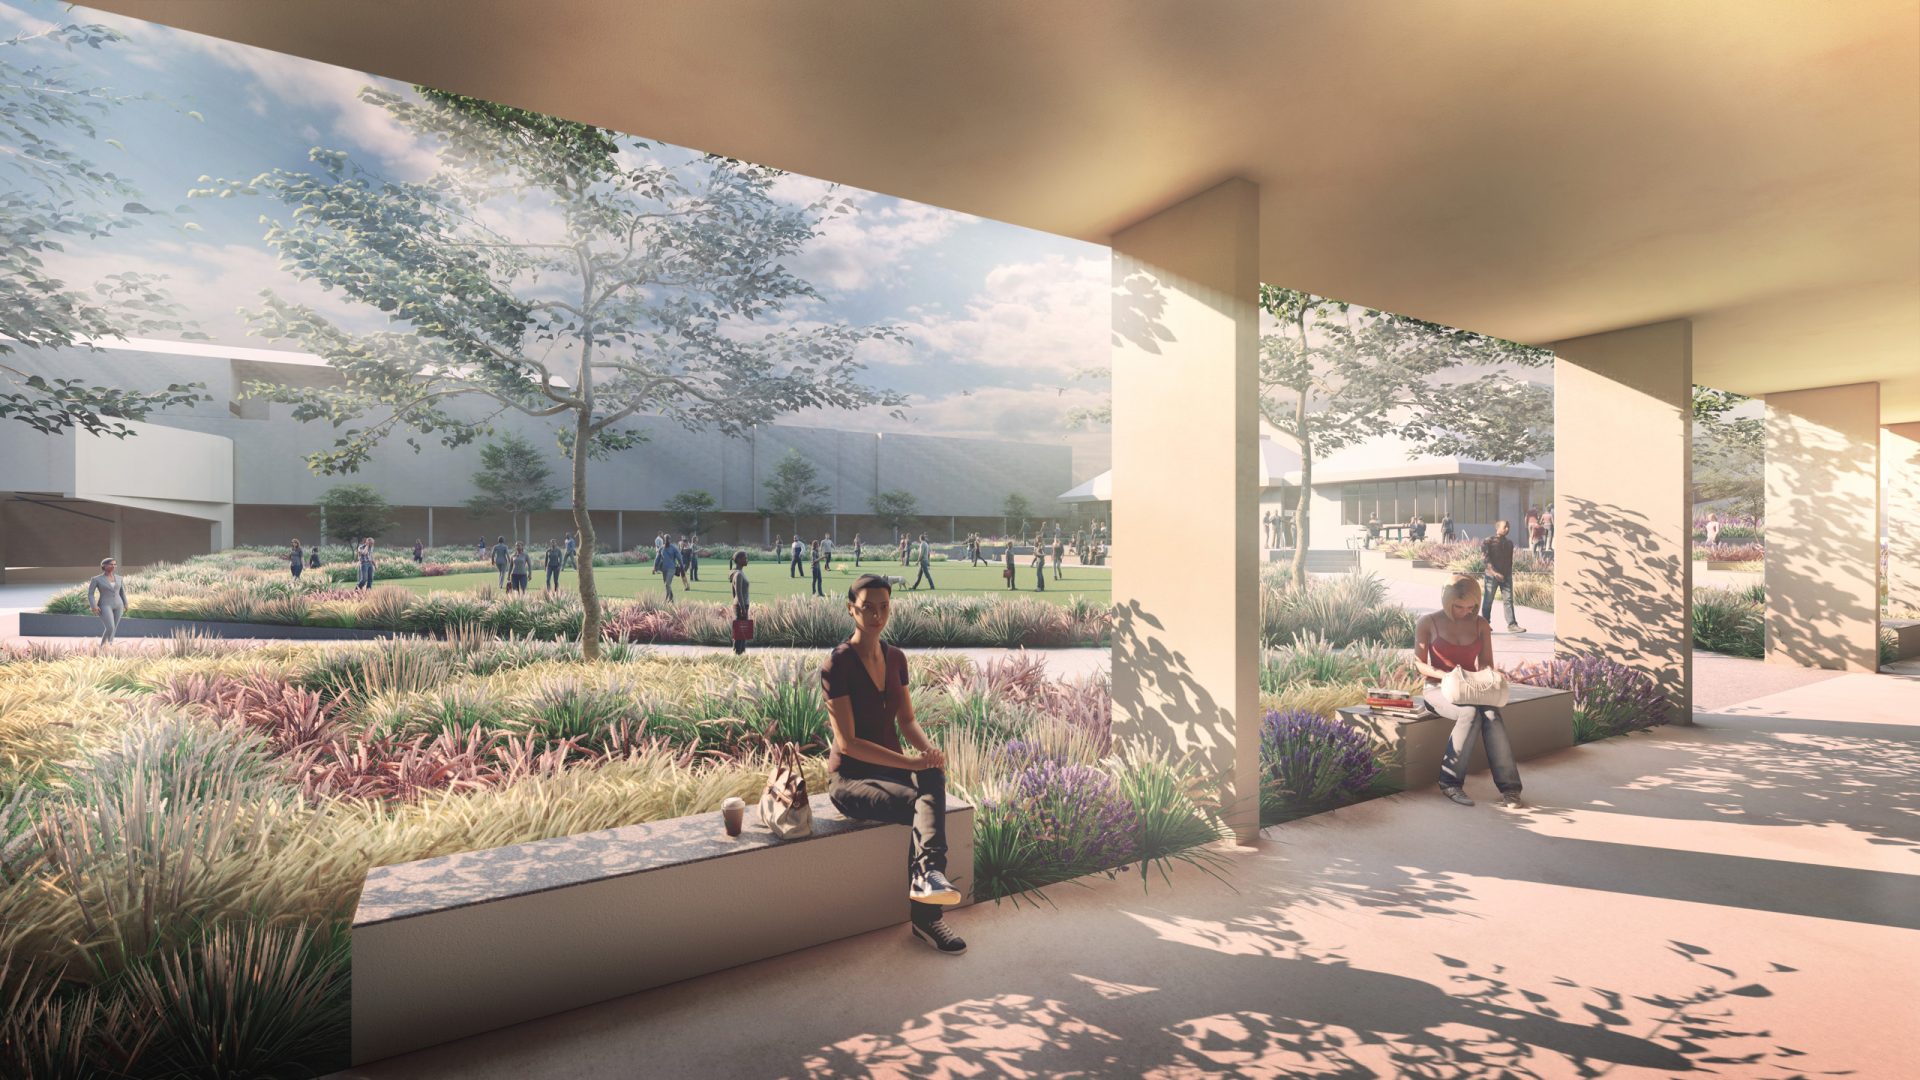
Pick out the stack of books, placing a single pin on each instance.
(1399, 704)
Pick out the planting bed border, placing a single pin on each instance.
(459, 944)
(41, 624)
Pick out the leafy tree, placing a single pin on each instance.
(350, 512)
(687, 507)
(57, 195)
(1017, 509)
(897, 509)
(794, 489)
(1087, 416)
(643, 297)
(1729, 460)
(513, 479)
(1336, 374)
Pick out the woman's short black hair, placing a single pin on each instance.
(868, 581)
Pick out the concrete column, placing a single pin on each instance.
(953, 529)
(4, 499)
(1823, 527)
(1623, 447)
(113, 536)
(429, 526)
(619, 530)
(1186, 285)
(1900, 457)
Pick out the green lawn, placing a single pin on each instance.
(770, 580)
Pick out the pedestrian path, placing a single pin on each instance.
(1733, 898)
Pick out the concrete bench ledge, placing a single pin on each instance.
(41, 624)
(452, 946)
(1906, 637)
(1539, 721)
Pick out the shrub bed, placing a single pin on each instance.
(1609, 698)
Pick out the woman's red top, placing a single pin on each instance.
(1456, 656)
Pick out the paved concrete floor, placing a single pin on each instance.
(1735, 898)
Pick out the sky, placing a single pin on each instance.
(999, 318)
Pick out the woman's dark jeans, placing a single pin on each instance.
(1492, 729)
(914, 798)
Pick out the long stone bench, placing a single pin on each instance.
(449, 947)
(1539, 720)
(1906, 637)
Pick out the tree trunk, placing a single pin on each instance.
(583, 522)
(1301, 530)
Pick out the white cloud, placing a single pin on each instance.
(1049, 318)
(304, 84)
(866, 247)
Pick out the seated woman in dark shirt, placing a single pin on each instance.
(865, 683)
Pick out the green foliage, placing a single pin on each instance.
(686, 508)
(1731, 621)
(1337, 611)
(354, 511)
(794, 489)
(512, 479)
(1016, 509)
(897, 509)
(57, 196)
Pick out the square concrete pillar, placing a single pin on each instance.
(1900, 457)
(1185, 440)
(1823, 527)
(1623, 446)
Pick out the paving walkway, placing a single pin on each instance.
(1735, 898)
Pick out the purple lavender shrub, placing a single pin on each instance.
(1075, 816)
(1609, 698)
(1308, 760)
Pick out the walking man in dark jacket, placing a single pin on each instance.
(926, 560)
(1498, 550)
(555, 558)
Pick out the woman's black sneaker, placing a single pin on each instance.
(937, 935)
(1457, 795)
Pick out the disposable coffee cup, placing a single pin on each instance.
(733, 812)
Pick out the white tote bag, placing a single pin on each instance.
(784, 808)
(1463, 687)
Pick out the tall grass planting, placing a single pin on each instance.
(1342, 611)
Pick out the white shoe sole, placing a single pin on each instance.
(950, 896)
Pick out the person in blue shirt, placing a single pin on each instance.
(573, 545)
(669, 566)
(500, 554)
(365, 552)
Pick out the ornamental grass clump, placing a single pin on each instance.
(1308, 761)
(1731, 621)
(1342, 611)
(1311, 660)
(1736, 552)
(1609, 698)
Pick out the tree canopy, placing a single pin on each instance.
(513, 479)
(897, 509)
(686, 508)
(794, 490)
(653, 281)
(57, 196)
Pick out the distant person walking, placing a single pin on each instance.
(519, 568)
(365, 553)
(973, 550)
(799, 550)
(297, 560)
(419, 551)
(1006, 570)
(480, 548)
(1547, 520)
(737, 583)
(1373, 529)
(107, 596)
(1537, 535)
(690, 547)
(906, 548)
(669, 565)
(1498, 550)
(1446, 527)
(1059, 552)
(500, 558)
(313, 558)
(555, 558)
(926, 562)
(1039, 565)
(568, 557)
(826, 550)
(1417, 529)
(817, 590)
(856, 549)
(1713, 529)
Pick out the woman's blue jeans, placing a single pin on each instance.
(1469, 720)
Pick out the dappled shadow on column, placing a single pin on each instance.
(1139, 311)
(1156, 695)
(1812, 591)
(1631, 586)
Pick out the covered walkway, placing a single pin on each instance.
(1735, 898)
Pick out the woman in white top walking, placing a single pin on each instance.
(107, 596)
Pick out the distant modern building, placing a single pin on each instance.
(230, 471)
(1379, 478)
